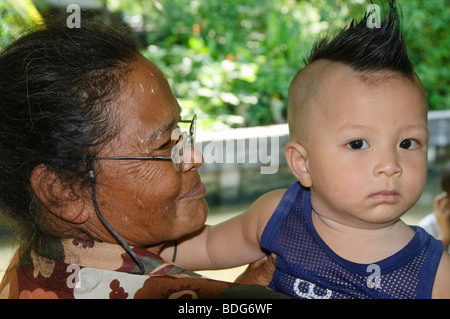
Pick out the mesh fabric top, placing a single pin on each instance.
(308, 268)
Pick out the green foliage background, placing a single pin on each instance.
(231, 61)
(15, 16)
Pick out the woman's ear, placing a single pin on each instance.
(298, 161)
(57, 196)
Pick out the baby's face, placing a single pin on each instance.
(367, 151)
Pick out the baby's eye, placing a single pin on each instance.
(358, 145)
(409, 144)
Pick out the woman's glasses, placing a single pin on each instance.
(185, 140)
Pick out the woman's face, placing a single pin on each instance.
(148, 202)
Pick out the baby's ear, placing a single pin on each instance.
(298, 161)
(57, 196)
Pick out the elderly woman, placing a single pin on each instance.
(96, 171)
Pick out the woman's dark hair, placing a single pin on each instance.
(367, 48)
(57, 86)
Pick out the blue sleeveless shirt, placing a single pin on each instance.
(307, 268)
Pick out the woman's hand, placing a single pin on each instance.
(259, 272)
(442, 214)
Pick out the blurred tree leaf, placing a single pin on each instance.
(15, 16)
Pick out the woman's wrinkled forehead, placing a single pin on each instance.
(148, 108)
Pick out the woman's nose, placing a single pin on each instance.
(192, 159)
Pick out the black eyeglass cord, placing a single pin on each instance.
(136, 259)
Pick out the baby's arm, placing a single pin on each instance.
(442, 214)
(232, 243)
(441, 287)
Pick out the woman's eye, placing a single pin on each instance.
(409, 144)
(358, 145)
(166, 145)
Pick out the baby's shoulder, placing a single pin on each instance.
(269, 201)
(273, 197)
(262, 209)
(441, 288)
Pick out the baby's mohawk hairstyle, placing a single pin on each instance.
(365, 48)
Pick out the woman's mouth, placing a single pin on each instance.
(198, 191)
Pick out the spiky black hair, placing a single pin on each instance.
(366, 48)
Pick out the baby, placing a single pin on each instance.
(358, 126)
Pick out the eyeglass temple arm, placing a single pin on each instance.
(161, 158)
(90, 169)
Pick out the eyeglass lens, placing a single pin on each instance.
(184, 143)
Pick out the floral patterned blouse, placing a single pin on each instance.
(74, 268)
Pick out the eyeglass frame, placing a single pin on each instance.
(177, 164)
